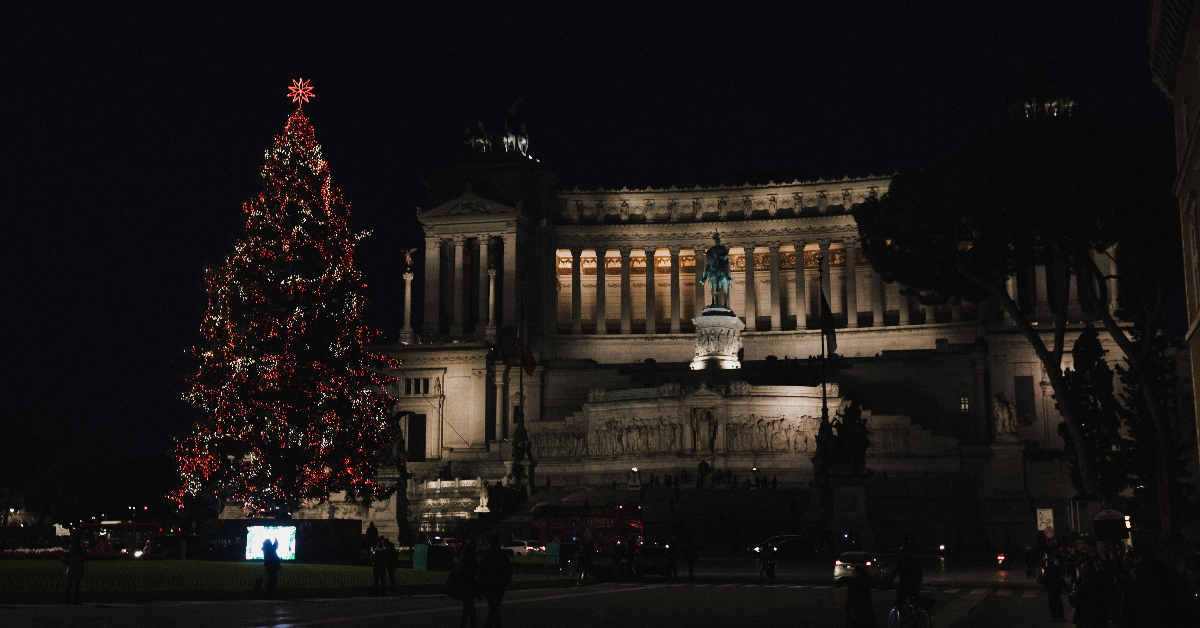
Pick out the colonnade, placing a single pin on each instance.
(493, 266)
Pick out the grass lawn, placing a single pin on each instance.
(175, 575)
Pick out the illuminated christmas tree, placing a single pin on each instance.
(295, 403)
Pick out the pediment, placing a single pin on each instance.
(704, 391)
(468, 205)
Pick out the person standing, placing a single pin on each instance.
(907, 576)
(860, 612)
(74, 561)
(372, 536)
(391, 562)
(378, 568)
(1053, 583)
(689, 557)
(465, 585)
(495, 572)
(272, 564)
(1031, 556)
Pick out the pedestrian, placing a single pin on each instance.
(766, 569)
(1159, 595)
(372, 536)
(1030, 559)
(464, 586)
(1090, 597)
(907, 577)
(76, 554)
(271, 564)
(378, 568)
(391, 562)
(689, 557)
(860, 613)
(495, 571)
(1053, 584)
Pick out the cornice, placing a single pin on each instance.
(733, 233)
(767, 188)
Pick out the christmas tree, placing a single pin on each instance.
(295, 403)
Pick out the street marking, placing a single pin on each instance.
(980, 592)
(824, 586)
(798, 586)
(731, 584)
(953, 590)
(750, 585)
(1029, 594)
(1004, 592)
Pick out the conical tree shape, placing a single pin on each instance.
(296, 405)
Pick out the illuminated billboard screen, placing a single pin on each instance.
(285, 536)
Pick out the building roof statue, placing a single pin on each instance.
(717, 271)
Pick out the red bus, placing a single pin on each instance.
(602, 526)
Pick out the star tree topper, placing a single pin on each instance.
(300, 91)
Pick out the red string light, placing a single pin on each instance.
(295, 404)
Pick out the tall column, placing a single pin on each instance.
(651, 324)
(601, 306)
(1073, 310)
(930, 313)
(490, 330)
(801, 306)
(509, 285)
(406, 334)
(459, 291)
(1039, 282)
(902, 303)
(824, 245)
(485, 262)
(576, 293)
(626, 297)
(851, 283)
(501, 396)
(701, 293)
(877, 303)
(751, 302)
(776, 301)
(1110, 268)
(956, 311)
(675, 304)
(433, 283)
(1011, 285)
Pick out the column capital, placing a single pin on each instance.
(850, 240)
(674, 249)
(408, 276)
(459, 239)
(576, 251)
(625, 250)
(824, 242)
(773, 246)
(491, 272)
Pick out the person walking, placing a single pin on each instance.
(1031, 556)
(74, 561)
(495, 572)
(766, 569)
(689, 558)
(860, 613)
(378, 568)
(1053, 584)
(1159, 594)
(464, 585)
(372, 536)
(391, 561)
(907, 576)
(271, 564)
(1091, 597)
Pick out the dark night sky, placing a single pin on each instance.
(131, 138)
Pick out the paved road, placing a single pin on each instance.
(713, 602)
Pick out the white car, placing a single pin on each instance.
(843, 568)
(523, 548)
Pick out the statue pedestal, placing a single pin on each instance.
(718, 339)
(848, 512)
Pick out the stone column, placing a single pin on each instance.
(601, 306)
(490, 329)
(1011, 285)
(433, 283)
(626, 297)
(902, 304)
(877, 302)
(650, 319)
(406, 334)
(751, 304)
(1039, 283)
(675, 304)
(930, 313)
(576, 293)
(776, 301)
(824, 244)
(1073, 311)
(801, 288)
(1110, 269)
(485, 262)
(701, 293)
(851, 283)
(459, 291)
(956, 311)
(509, 285)
(501, 404)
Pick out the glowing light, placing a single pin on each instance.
(300, 91)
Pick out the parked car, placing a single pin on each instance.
(787, 546)
(523, 548)
(654, 559)
(843, 567)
